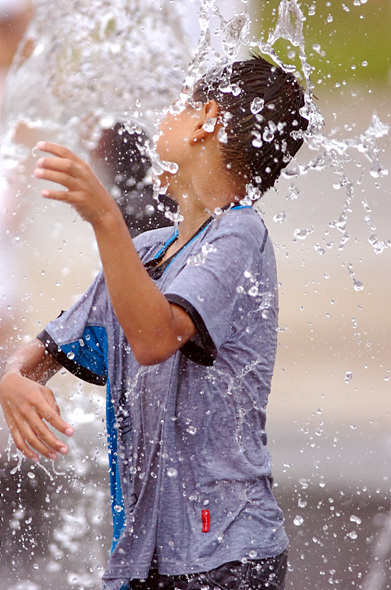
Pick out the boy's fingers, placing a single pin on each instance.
(48, 410)
(28, 442)
(31, 410)
(38, 436)
(51, 400)
(56, 195)
(66, 165)
(56, 176)
(28, 439)
(23, 447)
(43, 407)
(55, 420)
(56, 150)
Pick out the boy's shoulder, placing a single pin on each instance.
(244, 222)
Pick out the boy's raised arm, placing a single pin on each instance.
(155, 329)
(28, 404)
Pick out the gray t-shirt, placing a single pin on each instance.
(190, 470)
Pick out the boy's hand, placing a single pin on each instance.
(83, 189)
(27, 406)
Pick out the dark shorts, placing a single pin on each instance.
(260, 574)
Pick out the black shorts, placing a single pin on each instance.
(258, 574)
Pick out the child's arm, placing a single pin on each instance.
(28, 404)
(154, 328)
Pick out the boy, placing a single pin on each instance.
(182, 326)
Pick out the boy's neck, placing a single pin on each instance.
(195, 211)
(199, 199)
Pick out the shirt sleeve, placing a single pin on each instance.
(77, 339)
(217, 287)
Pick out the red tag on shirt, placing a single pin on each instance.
(205, 521)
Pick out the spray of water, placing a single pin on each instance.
(90, 79)
(98, 63)
(330, 153)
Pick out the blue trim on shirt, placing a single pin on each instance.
(167, 243)
(87, 358)
(90, 351)
(117, 502)
(91, 369)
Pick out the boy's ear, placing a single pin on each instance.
(210, 110)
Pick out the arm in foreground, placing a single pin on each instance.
(28, 404)
(154, 328)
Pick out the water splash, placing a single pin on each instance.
(330, 152)
(334, 154)
(358, 285)
(80, 59)
(232, 33)
(200, 258)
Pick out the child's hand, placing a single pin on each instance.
(27, 406)
(83, 189)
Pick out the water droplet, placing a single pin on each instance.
(257, 141)
(191, 429)
(257, 105)
(355, 519)
(358, 285)
(71, 355)
(268, 135)
(222, 135)
(210, 124)
(301, 234)
(348, 376)
(304, 483)
(279, 217)
(298, 520)
(200, 258)
(319, 249)
(171, 167)
(172, 472)
(293, 193)
(252, 554)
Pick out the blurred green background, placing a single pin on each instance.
(346, 42)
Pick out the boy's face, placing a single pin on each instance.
(176, 129)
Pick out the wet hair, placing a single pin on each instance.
(262, 128)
